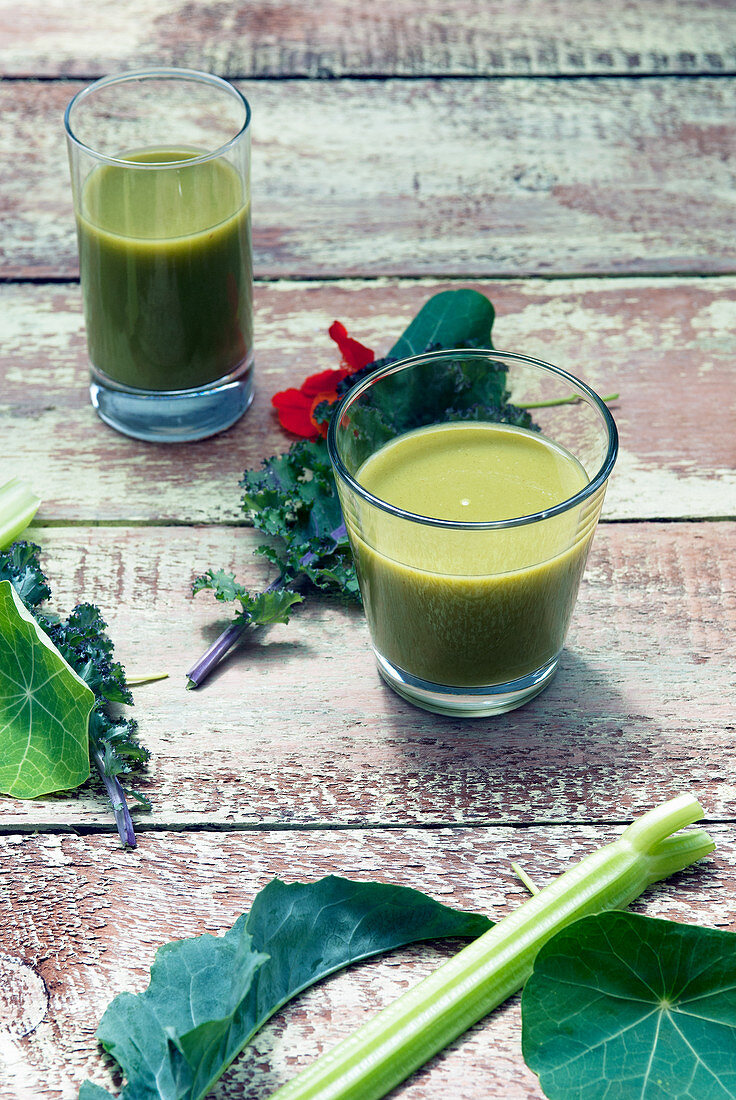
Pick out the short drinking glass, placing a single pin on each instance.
(471, 483)
(160, 167)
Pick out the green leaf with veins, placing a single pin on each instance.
(620, 1006)
(449, 319)
(44, 708)
(209, 995)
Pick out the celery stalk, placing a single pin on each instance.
(18, 504)
(404, 1035)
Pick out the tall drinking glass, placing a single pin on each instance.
(471, 483)
(160, 167)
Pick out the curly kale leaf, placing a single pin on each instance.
(83, 642)
(19, 564)
(293, 498)
(271, 606)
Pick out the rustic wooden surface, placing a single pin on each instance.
(573, 161)
(286, 731)
(86, 944)
(666, 345)
(326, 38)
(437, 177)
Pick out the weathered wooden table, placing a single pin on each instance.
(575, 162)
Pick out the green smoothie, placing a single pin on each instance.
(166, 270)
(471, 607)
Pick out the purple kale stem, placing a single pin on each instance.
(335, 536)
(119, 805)
(199, 672)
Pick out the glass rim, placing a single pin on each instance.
(167, 73)
(580, 497)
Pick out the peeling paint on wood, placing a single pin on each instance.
(666, 345)
(495, 178)
(270, 38)
(66, 920)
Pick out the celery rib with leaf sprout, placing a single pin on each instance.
(404, 1035)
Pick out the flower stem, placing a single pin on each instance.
(524, 879)
(138, 681)
(573, 399)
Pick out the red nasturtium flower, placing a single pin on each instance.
(295, 408)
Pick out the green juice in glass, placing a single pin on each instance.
(471, 607)
(166, 270)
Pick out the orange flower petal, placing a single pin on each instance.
(329, 396)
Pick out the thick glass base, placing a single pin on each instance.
(466, 702)
(174, 416)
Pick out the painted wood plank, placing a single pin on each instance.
(440, 178)
(297, 729)
(343, 37)
(81, 921)
(666, 345)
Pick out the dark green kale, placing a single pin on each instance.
(293, 499)
(19, 565)
(82, 640)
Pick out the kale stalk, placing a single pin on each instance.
(272, 606)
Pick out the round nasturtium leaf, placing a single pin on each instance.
(621, 1006)
(44, 708)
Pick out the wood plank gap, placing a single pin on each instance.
(328, 77)
(632, 521)
(233, 525)
(141, 827)
(371, 278)
(225, 525)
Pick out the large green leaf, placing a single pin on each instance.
(449, 319)
(44, 708)
(209, 995)
(622, 1006)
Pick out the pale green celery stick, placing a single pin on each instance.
(18, 505)
(375, 1058)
